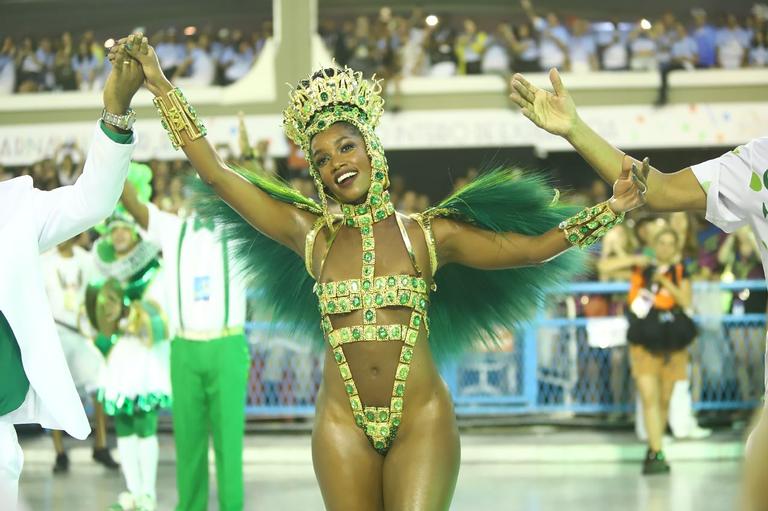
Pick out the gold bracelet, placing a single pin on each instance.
(177, 116)
(586, 227)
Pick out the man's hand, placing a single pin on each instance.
(122, 83)
(629, 190)
(555, 113)
(138, 48)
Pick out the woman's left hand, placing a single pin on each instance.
(629, 190)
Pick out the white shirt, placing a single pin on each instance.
(196, 276)
(736, 185)
(550, 54)
(581, 50)
(731, 45)
(615, 56)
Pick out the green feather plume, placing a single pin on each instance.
(470, 305)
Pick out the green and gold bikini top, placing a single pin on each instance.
(367, 294)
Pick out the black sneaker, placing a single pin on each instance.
(655, 463)
(104, 457)
(62, 464)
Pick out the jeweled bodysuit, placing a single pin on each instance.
(368, 294)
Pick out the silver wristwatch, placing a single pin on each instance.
(124, 122)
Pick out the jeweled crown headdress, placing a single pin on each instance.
(342, 95)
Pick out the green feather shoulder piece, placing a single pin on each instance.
(275, 271)
(471, 306)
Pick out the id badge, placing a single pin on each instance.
(202, 288)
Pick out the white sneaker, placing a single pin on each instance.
(146, 503)
(699, 433)
(125, 502)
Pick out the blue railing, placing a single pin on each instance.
(548, 366)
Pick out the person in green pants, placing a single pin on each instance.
(209, 353)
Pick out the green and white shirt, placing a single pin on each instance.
(736, 185)
(203, 291)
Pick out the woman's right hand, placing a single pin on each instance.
(137, 47)
(555, 113)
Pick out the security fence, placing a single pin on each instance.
(572, 358)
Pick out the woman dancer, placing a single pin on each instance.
(372, 271)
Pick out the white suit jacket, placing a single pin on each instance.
(31, 222)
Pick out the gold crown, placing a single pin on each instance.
(341, 94)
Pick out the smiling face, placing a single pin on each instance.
(665, 246)
(340, 156)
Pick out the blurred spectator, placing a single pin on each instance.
(31, 69)
(582, 49)
(470, 48)
(237, 64)
(7, 66)
(69, 159)
(616, 53)
(198, 68)
(553, 38)
(683, 55)
(705, 36)
(63, 72)
(85, 66)
(643, 49)
(169, 51)
(732, 43)
(758, 52)
(441, 50)
(525, 49)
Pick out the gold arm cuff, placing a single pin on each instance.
(178, 116)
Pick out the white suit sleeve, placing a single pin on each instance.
(70, 210)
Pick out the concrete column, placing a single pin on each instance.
(295, 23)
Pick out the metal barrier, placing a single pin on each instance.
(562, 362)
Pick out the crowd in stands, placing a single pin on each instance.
(194, 57)
(418, 45)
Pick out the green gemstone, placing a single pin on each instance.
(380, 215)
(396, 421)
(415, 283)
(397, 404)
(403, 299)
(369, 315)
(417, 320)
(321, 124)
(379, 300)
(379, 176)
(361, 99)
(331, 306)
(367, 257)
(377, 187)
(375, 201)
(342, 289)
(324, 96)
(366, 285)
(593, 224)
(339, 357)
(400, 390)
(350, 389)
(573, 238)
(356, 302)
(356, 334)
(407, 355)
(422, 303)
(370, 415)
(359, 420)
(378, 444)
(383, 334)
(383, 415)
(583, 229)
(366, 230)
